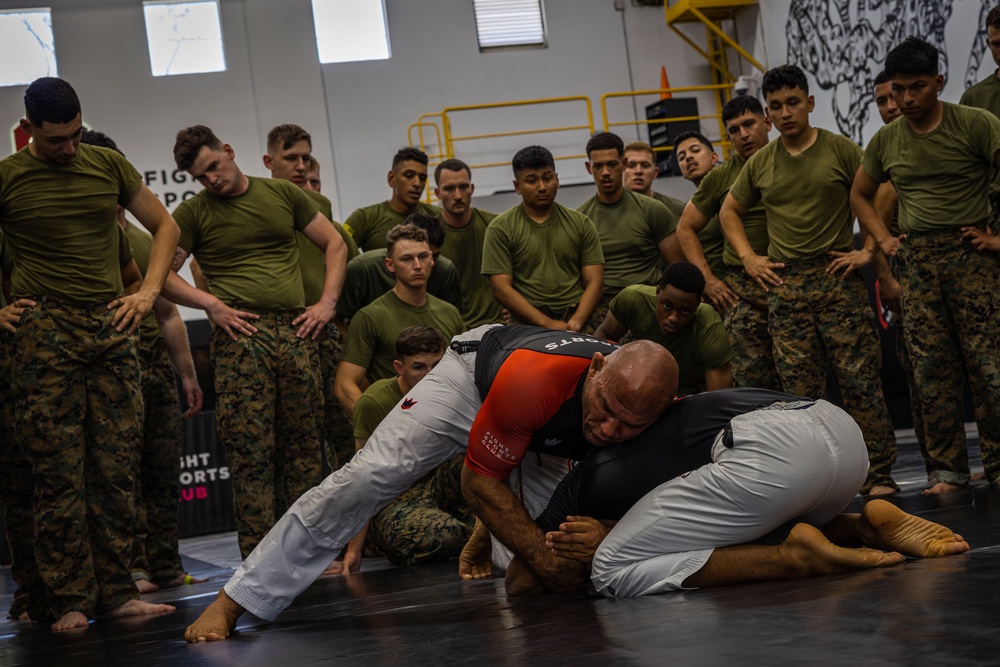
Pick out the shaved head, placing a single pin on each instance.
(626, 391)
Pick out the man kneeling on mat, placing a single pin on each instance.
(733, 486)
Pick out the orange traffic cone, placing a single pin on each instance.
(664, 83)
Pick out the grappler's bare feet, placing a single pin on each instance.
(885, 526)
(808, 550)
(216, 622)
(137, 608)
(942, 487)
(475, 561)
(70, 621)
(145, 586)
(880, 490)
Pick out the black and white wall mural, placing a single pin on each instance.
(842, 44)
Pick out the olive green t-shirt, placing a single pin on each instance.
(674, 205)
(370, 224)
(60, 222)
(806, 197)
(367, 279)
(984, 95)
(942, 177)
(140, 243)
(464, 247)
(544, 259)
(246, 245)
(704, 345)
(374, 405)
(371, 336)
(709, 199)
(6, 265)
(630, 231)
(312, 261)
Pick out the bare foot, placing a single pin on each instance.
(23, 616)
(808, 551)
(475, 561)
(885, 526)
(216, 622)
(146, 586)
(183, 579)
(880, 490)
(978, 476)
(941, 487)
(70, 621)
(521, 580)
(137, 608)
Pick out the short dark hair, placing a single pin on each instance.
(784, 76)
(685, 276)
(532, 157)
(640, 146)
(740, 105)
(283, 137)
(430, 224)
(418, 339)
(404, 233)
(605, 141)
(880, 78)
(50, 100)
(993, 18)
(912, 57)
(189, 142)
(451, 164)
(94, 138)
(408, 153)
(692, 134)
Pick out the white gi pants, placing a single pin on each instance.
(407, 444)
(804, 464)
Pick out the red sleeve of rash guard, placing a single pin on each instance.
(527, 391)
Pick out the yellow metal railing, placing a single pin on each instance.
(717, 89)
(421, 143)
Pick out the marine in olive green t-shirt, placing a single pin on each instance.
(806, 196)
(140, 243)
(60, 223)
(709, 199)
(312, 260)
(711, 237)
(630, 231)
(378, 399)
(371, 338)
(246, 245)
(367, 278)
(370, 224)
(703, 345)
(942, 177)
(464, 246)
(674, 205)
(545, 260)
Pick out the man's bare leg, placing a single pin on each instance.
(882, 525)
(805, 552)
(216, 622)
(475, 561)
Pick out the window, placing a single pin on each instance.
(27, 49)
(184, 37)
(509, 23)
(350, 30)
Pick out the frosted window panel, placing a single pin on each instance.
(27, 50)
(184, 37)
(350, 30)
(509, 23)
